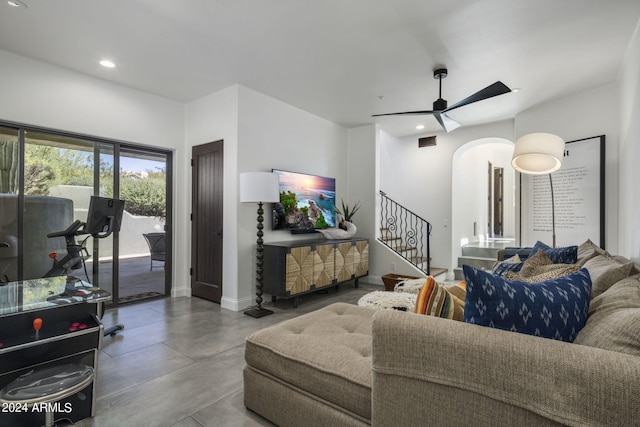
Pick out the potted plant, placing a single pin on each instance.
(348, 212)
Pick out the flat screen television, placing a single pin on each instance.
(307, 202)
(104, 216)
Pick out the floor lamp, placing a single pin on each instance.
(259, 187)
(538, 154)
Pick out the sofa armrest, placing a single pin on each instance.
(428, 369)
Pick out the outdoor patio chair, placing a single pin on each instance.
(156, 247)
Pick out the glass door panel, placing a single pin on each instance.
(143, 241)
(9, 180)
(58, 184)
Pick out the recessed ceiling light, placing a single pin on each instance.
(515, 89)
(420, 127)
(107, 64)
(16, 3)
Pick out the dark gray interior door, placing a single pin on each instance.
(206, 226)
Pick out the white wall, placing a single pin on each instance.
(629, 178)
(585, 114)
(363, 185)
(43, 95)
(275, 135)
(208, 119)
(421, 180)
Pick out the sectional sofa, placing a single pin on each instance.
(347, 365)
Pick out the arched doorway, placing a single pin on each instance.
(482, 194)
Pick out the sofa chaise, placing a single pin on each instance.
(346, 365)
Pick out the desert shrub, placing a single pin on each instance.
(144, 197)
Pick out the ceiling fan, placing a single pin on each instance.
(440, 105)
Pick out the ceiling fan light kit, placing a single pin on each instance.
(440, 105)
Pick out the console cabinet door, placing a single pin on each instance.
(299, 270)
(324, 265)
(344, 261)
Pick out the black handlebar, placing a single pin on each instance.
(72, 230)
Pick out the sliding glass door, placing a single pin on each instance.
(46, 183)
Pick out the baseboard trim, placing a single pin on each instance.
(180, 292)
(236, 304)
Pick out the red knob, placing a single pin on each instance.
(37, 323)
(53, 255)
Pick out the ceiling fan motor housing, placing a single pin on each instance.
(439, 104)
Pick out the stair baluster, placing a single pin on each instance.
(405, 233)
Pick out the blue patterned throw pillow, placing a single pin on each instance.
(503, 267)
(565, 255)
(554, 309)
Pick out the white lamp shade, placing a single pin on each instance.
(538, 153)
(259, 187)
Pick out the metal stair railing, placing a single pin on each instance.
(405, 233)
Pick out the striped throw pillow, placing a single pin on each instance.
(435, 299)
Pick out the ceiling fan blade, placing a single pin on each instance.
(415, 113)
(447, 123)
(498, 88)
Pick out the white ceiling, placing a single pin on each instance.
(343, 60)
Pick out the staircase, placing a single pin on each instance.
(481, 255)
(407, 234)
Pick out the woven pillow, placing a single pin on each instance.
(539, 268)
(435, 299)
(614, 319)
(554, 309)
(564, 255)
(546, 274)
(532, 265)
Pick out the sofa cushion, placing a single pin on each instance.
(614, 319)
(554, 309)
(606, 270)
(325, 353)
(564, 255)
(435, 299)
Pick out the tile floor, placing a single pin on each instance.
(179, 361)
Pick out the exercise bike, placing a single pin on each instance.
(102, 225)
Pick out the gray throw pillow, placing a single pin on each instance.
(605, 270)
(614, 319)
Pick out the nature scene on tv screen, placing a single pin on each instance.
(306, 202)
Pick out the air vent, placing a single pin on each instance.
(429, 141)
